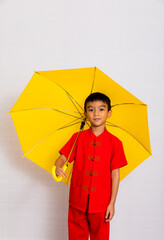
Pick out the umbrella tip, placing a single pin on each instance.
(36, 72)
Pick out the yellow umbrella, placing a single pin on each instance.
(50, 110)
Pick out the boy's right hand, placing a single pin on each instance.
(60, 172)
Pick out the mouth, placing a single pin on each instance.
(96, 119)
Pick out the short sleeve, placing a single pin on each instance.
(118, 159)
(66, 149)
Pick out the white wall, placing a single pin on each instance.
(125, 40)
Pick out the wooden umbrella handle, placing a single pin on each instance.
(57, 178)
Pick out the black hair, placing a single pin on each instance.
(98, 96)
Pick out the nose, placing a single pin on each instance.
(96, 112)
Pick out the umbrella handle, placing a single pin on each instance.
(57, 178)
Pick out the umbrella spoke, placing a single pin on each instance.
(58, 110)
(67, 110)
(68, 125)
(29, 109)
(68, 94)
(71, 98)
(65, 126)
(142, 104)
(113, 125)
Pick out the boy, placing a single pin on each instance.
(97, 156)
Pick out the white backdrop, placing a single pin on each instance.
(125, 40)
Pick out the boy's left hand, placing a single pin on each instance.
(109, 212)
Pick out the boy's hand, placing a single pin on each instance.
(109, 212)
(60, 172)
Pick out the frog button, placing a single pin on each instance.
(87, 172)
(93, 189)
(98, 143)
(95, 173)
(85, 187)
(97, 158)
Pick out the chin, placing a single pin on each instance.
(96, 125)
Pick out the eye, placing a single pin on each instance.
(90, 110)
(101, 109)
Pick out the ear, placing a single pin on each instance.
(85, 114)
(109, 113)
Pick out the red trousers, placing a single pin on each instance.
(82, 225)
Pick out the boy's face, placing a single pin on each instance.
(97, 112)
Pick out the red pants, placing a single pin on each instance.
(81, 224)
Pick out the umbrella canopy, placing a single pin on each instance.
(50, 110)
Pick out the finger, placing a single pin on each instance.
(107, 220)
(64, 173)
(107, 215)
(61, 174)
(111, 216)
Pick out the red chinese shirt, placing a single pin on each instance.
(94, 158)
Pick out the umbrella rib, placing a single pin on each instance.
(66, 113)
(76, 102)
(113, 125)
(67, 126)
(88, 124)
(70, 125)
(51, 134)
(142, 104)
(73, 102)
(58, 110)
(63, 89)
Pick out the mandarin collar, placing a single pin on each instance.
(99, 136)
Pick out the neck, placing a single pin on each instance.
(98, 130)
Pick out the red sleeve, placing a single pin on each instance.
(66, 149)
(118, 157)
